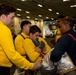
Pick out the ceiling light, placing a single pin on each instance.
(57, 13)
(40, 15)
(50, 9)
(40, 5)
(47, 17)
(23, 0)
(28, 16)
(18, 9)
(18, 15)
(27, 12)
(73, 6)
(65, 0)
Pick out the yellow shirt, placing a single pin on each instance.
(8, 53)
(30, 48)
(19, 44)
(57, 33)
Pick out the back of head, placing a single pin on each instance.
(6, 9)
(34, 29)
(24, 23)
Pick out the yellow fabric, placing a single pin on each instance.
(46, 45)
(8, 53)
(57, 33)
(29, 47)
(19, 44)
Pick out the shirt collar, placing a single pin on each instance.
(24, 35)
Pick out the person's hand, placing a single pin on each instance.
(37, 65)
(44, 49)
(38, 49)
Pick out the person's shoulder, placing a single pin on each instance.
(27, 39)
(41, 38)
(5, 30)
(19, 37)
(66, 37)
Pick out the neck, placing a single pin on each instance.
(25, 33)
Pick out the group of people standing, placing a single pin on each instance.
(29, 43)
(29, 48)
(8, 54)
(18, 54)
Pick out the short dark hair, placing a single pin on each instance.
(24, 23)
(68, 20)
(6, 9)
(34, 29)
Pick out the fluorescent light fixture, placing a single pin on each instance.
(65, 0)
(47, 17)
(18, 15)
(50, 9)
(23, 0)
(40, 15)
(57, 13)
(18, 9)
(40, 5)
(28, 16)
(73, 6)
(27, 12)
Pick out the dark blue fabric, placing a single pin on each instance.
(65, 44)
(4, 70)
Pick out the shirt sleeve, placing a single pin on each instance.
(30, 50)
(6, 42)
(48, 48)
(62, 45)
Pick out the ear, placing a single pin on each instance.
(3, 16)
(24, 26)
(31, 34)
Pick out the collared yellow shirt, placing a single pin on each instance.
(57, 33)
(8, 53)
(30, 48)
(19, 43)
